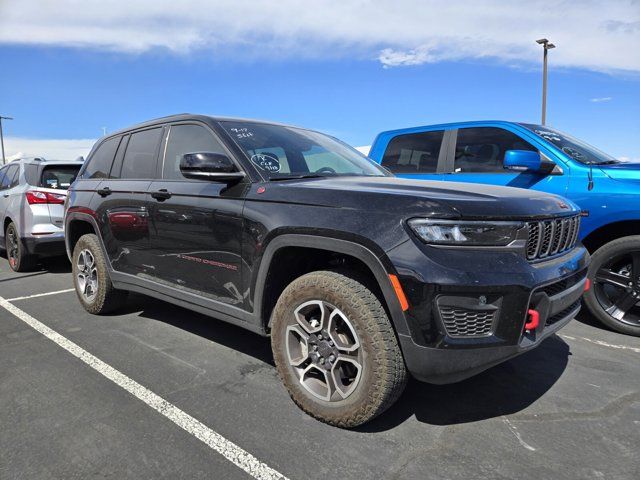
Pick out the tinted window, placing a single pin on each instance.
(4, 182)
(482, 149)
(100, 162)
(414, 153)
(58, 176)
(8, 177)
(141, 155)
(281, 152)
(187, 139)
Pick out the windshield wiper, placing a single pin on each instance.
(296, 177)
(604, 162)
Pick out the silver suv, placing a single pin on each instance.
(32, 196)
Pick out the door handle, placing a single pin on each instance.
(161, 194)
(103, 192)
(6, 195)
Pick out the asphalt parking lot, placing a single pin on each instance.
(569, 409)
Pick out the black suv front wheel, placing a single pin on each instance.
(335, 349)
(614, 297)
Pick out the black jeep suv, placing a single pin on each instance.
(357, 276)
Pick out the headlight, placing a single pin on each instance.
(465, 233)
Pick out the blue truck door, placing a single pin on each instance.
(421, 155)
(478, 156)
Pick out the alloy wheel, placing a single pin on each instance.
(87, 275)
(324, 351)
(12, 246)
(617, 287)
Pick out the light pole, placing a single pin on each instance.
(546, 45)
(2, 138)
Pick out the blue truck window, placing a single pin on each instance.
(482, 149)
(414, 153)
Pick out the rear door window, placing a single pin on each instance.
(482, 149)
(141, 158)
(414, 152)
(59, 177)
(99, 164)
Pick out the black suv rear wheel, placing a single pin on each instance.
(614, 297)
(335, 349)
(91, 278)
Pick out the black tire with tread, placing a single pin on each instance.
(108, 298)
(384, 373)
(24, 262)
(600, 257)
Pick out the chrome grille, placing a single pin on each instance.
(550, 237)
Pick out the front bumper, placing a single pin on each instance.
(487, 298)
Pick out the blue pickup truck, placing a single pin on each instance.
(541, 158)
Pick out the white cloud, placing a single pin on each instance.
(598, 35)
(364, 150)
(57, 149)
(600, 99)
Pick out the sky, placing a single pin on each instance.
(73, 69)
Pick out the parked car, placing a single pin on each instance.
(32, 195)
(541, 158)
(358, 277)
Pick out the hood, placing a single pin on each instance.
(408, 197)
(622, 171)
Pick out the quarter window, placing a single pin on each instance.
(141, 155)
(187, 139)
(414, 153)
(100, 162)
(482, 149)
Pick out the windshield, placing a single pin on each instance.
(574, 148)
(285, 152)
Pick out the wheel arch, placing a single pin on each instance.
(76, 225)
(267, 293)
(611, 231)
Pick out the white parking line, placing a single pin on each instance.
(40, 295)
(215, 441)
(602, 344)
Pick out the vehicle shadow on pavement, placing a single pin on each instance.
(217, 331)
(502, 390)
(59, 264)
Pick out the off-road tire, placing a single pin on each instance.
(384, 375)
(599, 258)
(107, 298)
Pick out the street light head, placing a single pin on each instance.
(542, 41)
(549, 46)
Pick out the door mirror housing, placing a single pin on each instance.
(209, 166)
(523, 161)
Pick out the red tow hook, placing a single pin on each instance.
(534, 320)
(587, 285)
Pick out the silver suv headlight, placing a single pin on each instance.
(465, 233)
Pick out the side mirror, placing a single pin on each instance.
(522, 161)
(209, 166)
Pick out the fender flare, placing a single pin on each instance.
(87, 218)
(360, 252)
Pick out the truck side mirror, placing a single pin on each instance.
(522, 161)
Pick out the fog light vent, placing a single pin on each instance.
(461, 322)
